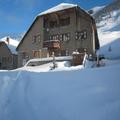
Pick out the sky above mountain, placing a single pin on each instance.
(17, 15)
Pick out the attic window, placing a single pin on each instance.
(81, 35)
(64, 21)
(53, 24)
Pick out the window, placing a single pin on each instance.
(54, 37)
(36, 39)
(36, 54)
(62, 37)
(65, 37)
(64, 21)
(81, 35)
(53, 24)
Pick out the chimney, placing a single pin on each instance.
(8, 40)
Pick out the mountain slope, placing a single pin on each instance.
(106, 10)
(108, 24)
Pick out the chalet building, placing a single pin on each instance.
(63, 29)
(8, 58)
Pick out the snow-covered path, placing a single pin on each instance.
(92, 94)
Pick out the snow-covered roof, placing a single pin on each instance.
(59, 7)
(13, 43)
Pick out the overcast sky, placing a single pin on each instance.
(16, 16)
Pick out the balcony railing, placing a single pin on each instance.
(52, 44)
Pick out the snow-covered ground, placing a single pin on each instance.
(61, 66)
(92, 94)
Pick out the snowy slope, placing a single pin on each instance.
(109, 35)
(12, 44)
(108, 23)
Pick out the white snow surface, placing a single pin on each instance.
(92, 94)
(59, 7)
(13, 43)
(61, 66)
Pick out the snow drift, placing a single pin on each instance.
(92, 94)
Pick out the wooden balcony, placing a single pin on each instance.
(52, 44)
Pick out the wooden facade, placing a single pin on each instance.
(62, 32)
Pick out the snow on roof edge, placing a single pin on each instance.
(65, 6)
(61, 6)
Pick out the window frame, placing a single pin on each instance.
(81, 35)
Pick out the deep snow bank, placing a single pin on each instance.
(87, 94)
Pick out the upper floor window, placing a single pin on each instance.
(64, 21)
(54, 37)
(36, 38)
(62, 37)
(53, 24)
(65, 37)
(81, 35)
